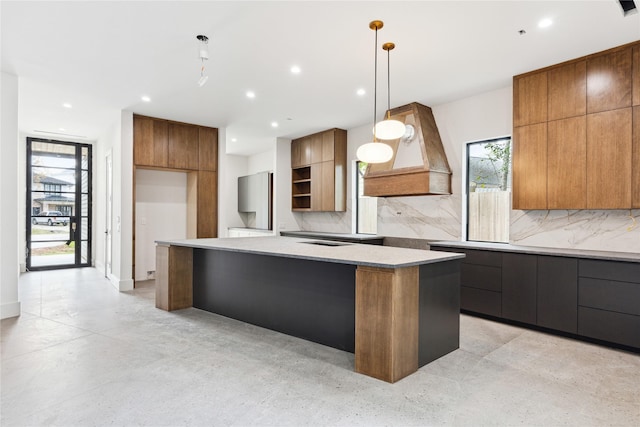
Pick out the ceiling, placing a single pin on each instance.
(101, 57)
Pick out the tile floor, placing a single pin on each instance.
(83, 354)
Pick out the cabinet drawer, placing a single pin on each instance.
(483, 258)
(481, 301)
(610, 270)
(609, 326)
(623, 297)
(481, 276)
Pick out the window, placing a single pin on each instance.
(489, 190)
(366, 207)
(52, 188)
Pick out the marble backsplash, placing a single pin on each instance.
(432, 217)
(440, 218)
(603, 230)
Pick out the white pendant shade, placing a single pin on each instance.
(374, 152)
(390, 129)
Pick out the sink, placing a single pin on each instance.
(326, 243)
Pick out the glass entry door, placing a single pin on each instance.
(58, 204)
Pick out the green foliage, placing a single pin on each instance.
(499, 154)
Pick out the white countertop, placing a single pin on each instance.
(345, 253)
(572, 253)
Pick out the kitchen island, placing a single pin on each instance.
(397, 309)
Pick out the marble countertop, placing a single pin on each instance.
(574, 253)
(343, 253)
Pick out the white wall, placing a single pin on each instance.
(9, 264)
(261, 162)
(283, 218)
(122, 235)
(161, 214)
(230, 167)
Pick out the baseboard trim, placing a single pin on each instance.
(121, 285)
(11, 309)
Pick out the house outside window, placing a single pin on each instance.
(489, 190)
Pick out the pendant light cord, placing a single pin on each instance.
(375, 85)
(388, 83)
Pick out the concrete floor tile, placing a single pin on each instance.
(89, 355)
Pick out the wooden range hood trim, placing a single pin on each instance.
(432, 178)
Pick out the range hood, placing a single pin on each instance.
(419, 164)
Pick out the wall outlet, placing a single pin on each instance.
(282, 226)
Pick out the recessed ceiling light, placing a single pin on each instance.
(67, 105)
(274, 124)
(62, 129)
(234, 139)
(251, 94)
(295, 69)
(145, 98)
(361, 92)
(544, 23)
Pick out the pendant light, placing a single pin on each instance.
(375, 152)
(388, 128)
(203, 54)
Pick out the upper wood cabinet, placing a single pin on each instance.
(530, 99)
(530, 167)
(567, 163)
(609, 153)
(319, 172)
(163, 144)
(207, 149)
(567, 87)
(592, 138)
(301, 152)
(151, 146)
(609, 81)
(183, 146)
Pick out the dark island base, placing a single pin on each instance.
(315, 300)
(306, 299)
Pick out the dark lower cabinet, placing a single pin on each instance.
(558, 293)
(519, 281)
(591, 298)
(619, 328)
(481, 301)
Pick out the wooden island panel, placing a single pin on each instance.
(386, 322)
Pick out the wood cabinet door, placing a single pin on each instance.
(609, 81)
(142, 141)
(568, 91)
(328, 145)
(635, 164)
(519, 281)
(315, 142)
(300, 152)
(207, 211)
(530, 99)
(328, 186)
(316, 187)
(530, 167)
(609, 154)
(150, 142)
(183, 146)
(567, 164)
(207, 148)
(636, 75)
